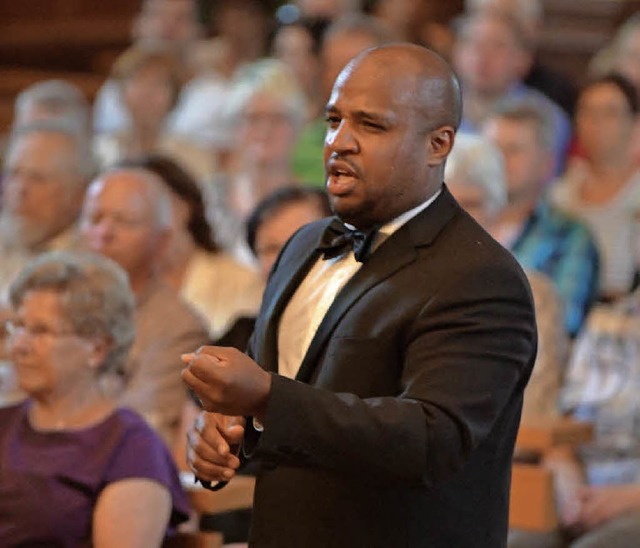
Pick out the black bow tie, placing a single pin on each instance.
(338, 238)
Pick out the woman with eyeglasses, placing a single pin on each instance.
(75, 470)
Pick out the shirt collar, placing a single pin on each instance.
(389, 228)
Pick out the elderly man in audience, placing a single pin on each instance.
(542, 237)
(126, 217)
(491, 56)
(46, 171)
(476, 176)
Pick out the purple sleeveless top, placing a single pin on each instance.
(50, 481)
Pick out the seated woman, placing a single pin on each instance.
(74, 469)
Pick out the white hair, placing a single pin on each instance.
(478, 162)
(83, 161)
(61, 99)
(270, 77)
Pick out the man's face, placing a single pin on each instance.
(41, 186)
(173, 21)
(487, 56)
(528, 165)
(118, 221)
(375, 152)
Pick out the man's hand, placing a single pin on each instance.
(227, 381)
(212, 445)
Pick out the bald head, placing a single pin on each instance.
(127, 217)
(139, 184)
(392, 117)
(429, 82)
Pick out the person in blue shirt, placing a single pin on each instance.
(542, 237)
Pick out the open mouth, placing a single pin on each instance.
(341, 179)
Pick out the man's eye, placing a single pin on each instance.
(332, 121)
(372, 125)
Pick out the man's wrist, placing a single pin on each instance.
(260, 409)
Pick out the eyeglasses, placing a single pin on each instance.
(15, 328)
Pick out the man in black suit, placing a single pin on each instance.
(387, 398)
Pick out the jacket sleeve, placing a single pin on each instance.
(462, 365)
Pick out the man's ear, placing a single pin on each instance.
(439, 144)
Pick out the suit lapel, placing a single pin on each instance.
(291, 270)
(395, 253)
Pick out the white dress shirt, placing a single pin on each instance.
(309, 304)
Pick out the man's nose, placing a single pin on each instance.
(101, 230)
(342, 139)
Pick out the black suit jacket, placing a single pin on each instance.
(399, 428)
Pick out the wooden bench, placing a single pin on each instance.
(533, 501)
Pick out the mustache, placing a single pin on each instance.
(340, 164)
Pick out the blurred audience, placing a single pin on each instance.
(343, 39)
(209, 279)
(542, 237)
(326, 9)
(598, 496)
(269, 112)
(491, 55)
(77, 469)
(298, 45)
(53, 100)
(622, 54)
(173, 23)
(476, 177)
(127, 217)
(403, 18)
(603, 189)
(240, 30)
(278, 216)
(46, 171)
(149, 79)
(530, 15)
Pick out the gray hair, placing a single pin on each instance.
(62, 99)
(478, 162)
(95, 295)
(530, 112)
(270, 77)
(83, 161)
